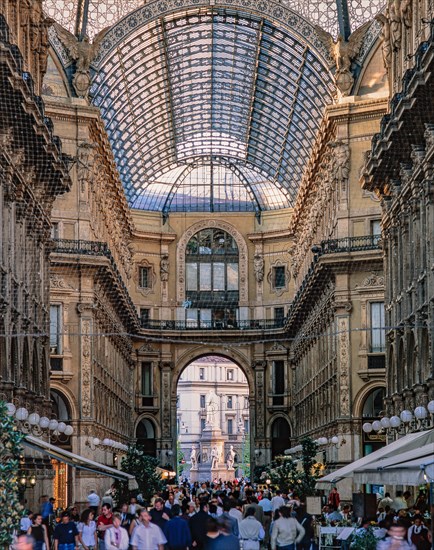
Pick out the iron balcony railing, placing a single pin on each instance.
(94, 248)
(257, 324)
(348, 244)
(89, 248)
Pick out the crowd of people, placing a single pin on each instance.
(220, 516)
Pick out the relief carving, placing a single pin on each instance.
(344, 366)
(86, 361)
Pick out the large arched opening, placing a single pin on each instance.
(146, 436)
(280, 436)
(213, 431)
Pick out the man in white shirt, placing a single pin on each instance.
(147, 535)
(277, 501)
(93, 500)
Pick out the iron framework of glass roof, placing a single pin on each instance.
(211, 108)
(96, 15)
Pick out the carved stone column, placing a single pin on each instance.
(86, 385)
(166, 377)
(344, 361)
(259, 368)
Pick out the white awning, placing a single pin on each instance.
(407, 443)
(406, 468)
(77, 461)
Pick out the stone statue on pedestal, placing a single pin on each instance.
(193, 458)
(211, 409)
(231, 458)
(214, 458)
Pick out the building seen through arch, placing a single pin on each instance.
(205, 182)
(222, 378)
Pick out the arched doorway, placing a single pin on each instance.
(213, 418)
(280, 436)
(146, 438)
(61, 411)
(372, 409)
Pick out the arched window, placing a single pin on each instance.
(280, 437)
(60, 407)
(372, 409)
(374, 403)
(212, 279)
(145, 435)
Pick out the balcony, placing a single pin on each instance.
(327, 248)
(99, 249)
(348, 244)
(253, 324)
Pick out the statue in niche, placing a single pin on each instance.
(343, 52)
(258, 266)
(164, 267)
(193, 458)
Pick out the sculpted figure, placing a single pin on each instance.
(386, 39)
(164, 268)
(258, 266)
(193, 458)
(395, 23)
(211, 408)
(343, 52)
(214, 458)
(83, 52)
(340, 164)
(406, 13)
(231, 458)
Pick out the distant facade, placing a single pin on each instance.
(231, 415)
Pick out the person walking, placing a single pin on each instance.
(287, 531)
(159, 513)
(87, 534)
(39, 532)
(198, 525)
(104, 522)
(334, 499)
(176, 531)
(396, 540)
(251, 530)
(65, 534)
(306, 521)
(147, 535)
(116, 538)
(277, 501)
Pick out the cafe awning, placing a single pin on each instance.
(407, 443)
(77, 461)
(413, 467)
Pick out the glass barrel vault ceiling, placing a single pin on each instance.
(211, 111)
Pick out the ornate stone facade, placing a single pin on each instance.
(325, 251)
(402, 176)
(27, 192)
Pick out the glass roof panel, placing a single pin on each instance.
(104, 13)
